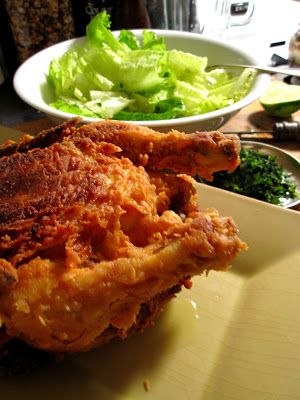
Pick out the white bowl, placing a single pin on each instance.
(31, 85)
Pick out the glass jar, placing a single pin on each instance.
(37, 24)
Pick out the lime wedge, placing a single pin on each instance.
(281, 100)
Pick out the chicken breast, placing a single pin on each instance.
(100, 226)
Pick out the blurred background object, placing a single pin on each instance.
(125, 14)
(216, 17)
(200, 16)
(294, 50)
(31, 25)
(27, 26)
(294, 55)
(173, 14)
(1, 75)
(2, 67)
(36, 24)
(268, 34)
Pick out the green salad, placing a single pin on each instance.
(130, 79)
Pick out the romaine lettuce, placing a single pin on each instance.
(131, 79)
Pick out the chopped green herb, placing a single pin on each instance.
(260, 176)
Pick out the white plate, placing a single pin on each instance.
(234, 335)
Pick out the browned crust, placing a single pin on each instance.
(88, 235)
(42, 140)
(200, 153)
(18, 358)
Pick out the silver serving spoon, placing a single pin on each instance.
(270, 70)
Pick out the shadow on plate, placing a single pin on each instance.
(104, 373)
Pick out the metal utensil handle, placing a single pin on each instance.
(287, 130)
(270, 70)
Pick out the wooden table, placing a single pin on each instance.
(254, 117)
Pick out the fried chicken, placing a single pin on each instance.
(100, 227)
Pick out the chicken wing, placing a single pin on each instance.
(95, 236)
(196, 153)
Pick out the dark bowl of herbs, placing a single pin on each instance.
(265, 173)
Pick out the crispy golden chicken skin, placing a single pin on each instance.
(95, 236)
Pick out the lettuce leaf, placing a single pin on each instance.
(127, 78)
(98, 34)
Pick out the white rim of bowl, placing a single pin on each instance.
(264, 80)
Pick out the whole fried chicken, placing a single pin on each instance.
(100, 227)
